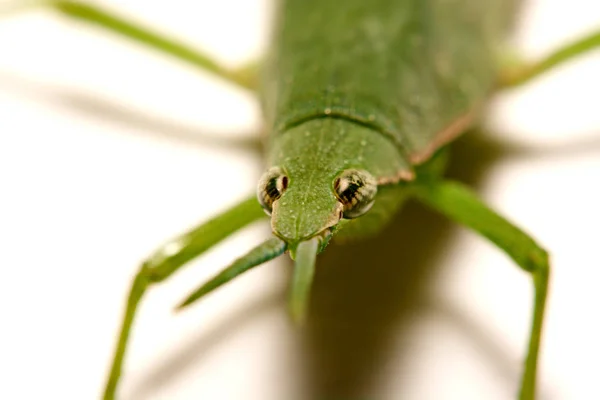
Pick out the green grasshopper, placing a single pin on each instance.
(347, 196)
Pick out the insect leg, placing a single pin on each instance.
(458, 203)
(262, 253)
(523, 73)
(168, 259)
(244, 77)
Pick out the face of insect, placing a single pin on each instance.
(302, 205)
(323, 171)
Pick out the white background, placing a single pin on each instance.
(101, 161)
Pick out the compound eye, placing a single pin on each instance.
(356, 190)
(270, 188)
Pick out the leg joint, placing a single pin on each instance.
(151, 272)
(538, 262)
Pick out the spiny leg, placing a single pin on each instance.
(245, 77)
(458, 203)
(168, 260)
(524, 72)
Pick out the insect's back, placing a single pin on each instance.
(407, 68)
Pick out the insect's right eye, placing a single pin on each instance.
(270, 188)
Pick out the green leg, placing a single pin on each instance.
(168, 260)
(262, 253)
(458, 203)
(245, 77)
(520, 74)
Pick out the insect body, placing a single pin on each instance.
(384, 114)
(356, 108)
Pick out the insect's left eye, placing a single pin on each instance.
(356, 191)
(270, 188)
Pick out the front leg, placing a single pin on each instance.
(458, 203)
(168, 260)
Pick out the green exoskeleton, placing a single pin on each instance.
(360, 100)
